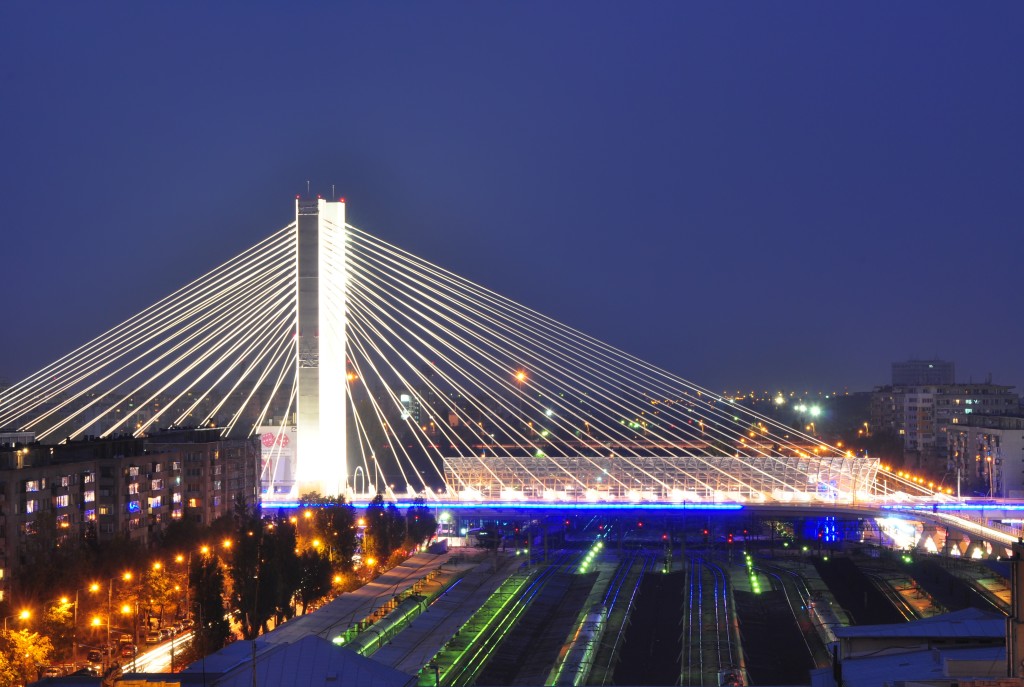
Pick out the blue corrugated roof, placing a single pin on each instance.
(970, 622)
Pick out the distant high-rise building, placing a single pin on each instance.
(922, 415)
(923, 372)
(985, 452)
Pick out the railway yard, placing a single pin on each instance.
(601, 608)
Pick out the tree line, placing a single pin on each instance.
(241, 575)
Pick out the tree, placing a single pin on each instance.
(181, 534)
(316, 577)
(57, 623)
(281, 571)
(23, 652)
(334, 523)
(396, 528)
(206, 577)
(385, 529)
(252, 605)
(420, 523)
(158, 593)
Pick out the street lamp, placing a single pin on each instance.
(65, 601)
(95, 587)
(126, 609)
(520, 379)
(24, 614)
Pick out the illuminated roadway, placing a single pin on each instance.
(158, 659)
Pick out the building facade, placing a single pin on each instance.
(987, 454)
(923, 373)
(922, 415)
(62, 495)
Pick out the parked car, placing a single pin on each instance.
(96, 654)
(154, 637)
(51, 671)
(129, 650)
(166, 632)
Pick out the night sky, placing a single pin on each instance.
(751, 195)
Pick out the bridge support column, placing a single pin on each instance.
(320, 356)
(934, 533)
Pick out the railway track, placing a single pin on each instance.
(461, 664)
(902, 606)
(708, 647)
(800, 600)
(619, 600)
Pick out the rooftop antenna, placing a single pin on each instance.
(332, 190)
(307, 187)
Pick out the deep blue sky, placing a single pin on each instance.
(752, 195)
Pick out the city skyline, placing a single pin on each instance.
(759, 200)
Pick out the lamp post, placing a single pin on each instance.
(180, 558)
(74, 632)
(126, 610)
(95, 587)
(24, 614)
(63, 602)
(520, 380)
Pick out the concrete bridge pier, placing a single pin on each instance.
(933, 538)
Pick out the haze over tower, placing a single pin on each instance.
(320, 361)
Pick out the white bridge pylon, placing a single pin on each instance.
(322, 464)
(365, 369)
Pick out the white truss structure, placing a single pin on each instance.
(667, 479)
(447, 389)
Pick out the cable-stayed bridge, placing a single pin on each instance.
(365, 369)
